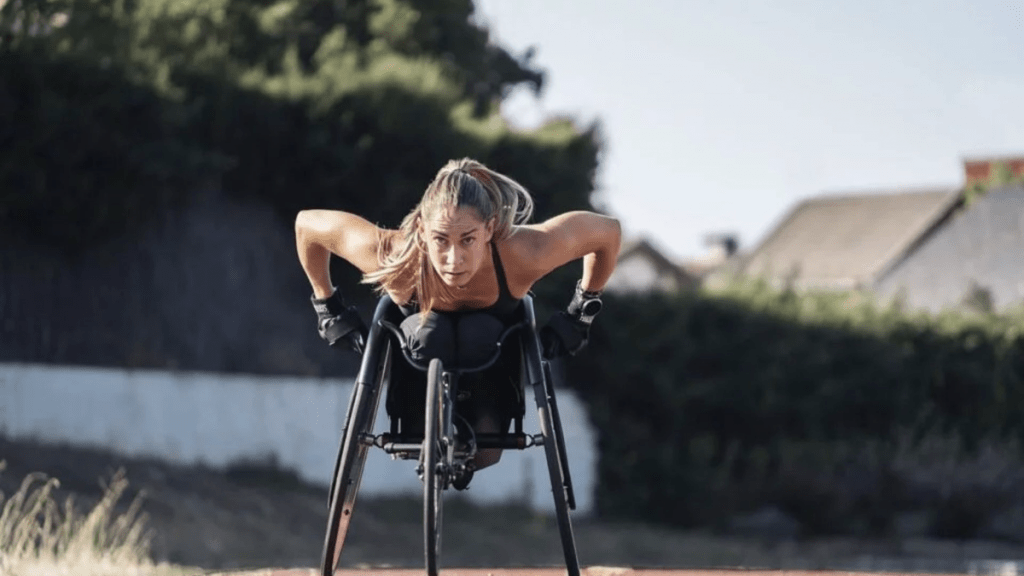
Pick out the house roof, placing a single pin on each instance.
(980, 248)
(641, 249)
(847, 241)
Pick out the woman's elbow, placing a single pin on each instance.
(300, 220)
(613, 234)
(616, 228)
(304, 227)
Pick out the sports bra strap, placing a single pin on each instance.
(505, 293)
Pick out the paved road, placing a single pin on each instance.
(593, 571)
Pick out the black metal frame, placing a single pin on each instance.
(357, 436)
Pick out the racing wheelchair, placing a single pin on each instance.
(442, 442)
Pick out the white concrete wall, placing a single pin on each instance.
(216, 419)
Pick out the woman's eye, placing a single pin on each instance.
(468, 241)
(440, 241)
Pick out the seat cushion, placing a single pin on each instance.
(460, 340)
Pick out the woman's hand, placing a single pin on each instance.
(338, 324)
(568, 332)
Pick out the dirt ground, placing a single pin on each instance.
(254, 519)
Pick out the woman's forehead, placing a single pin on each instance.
(451, 219)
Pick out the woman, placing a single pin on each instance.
(465, 252)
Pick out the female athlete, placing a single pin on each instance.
(459, 265)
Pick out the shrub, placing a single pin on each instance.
(705, 402)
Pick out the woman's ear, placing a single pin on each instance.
(490, 226)
(421, 226)
(419, 232)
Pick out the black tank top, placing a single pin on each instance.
(504, 309)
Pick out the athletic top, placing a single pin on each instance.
(504, 309)
(507, 304)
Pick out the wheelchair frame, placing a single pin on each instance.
(438, 451)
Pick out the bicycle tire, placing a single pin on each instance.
(352, 455)
(433, 470)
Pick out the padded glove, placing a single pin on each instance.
(567, 332)
(338, 324)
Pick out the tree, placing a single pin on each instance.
(350, 104)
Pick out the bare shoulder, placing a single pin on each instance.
(518, 257)
(572, 235)
(346, 235)
(534, 250)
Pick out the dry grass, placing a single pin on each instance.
(40, 537)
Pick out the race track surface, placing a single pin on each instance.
(593, 571)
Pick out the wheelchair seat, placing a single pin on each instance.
(464, 341)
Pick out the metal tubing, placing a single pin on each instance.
(483, 441)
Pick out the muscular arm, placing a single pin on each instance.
(593, 237)
(320, 233)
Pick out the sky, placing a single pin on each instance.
(721, 116)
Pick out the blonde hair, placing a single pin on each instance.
(405, 267)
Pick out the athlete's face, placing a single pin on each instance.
(456, 240)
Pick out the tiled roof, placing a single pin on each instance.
(847, 241)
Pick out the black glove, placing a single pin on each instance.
(338, 324)
(566, 333)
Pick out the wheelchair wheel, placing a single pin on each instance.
(352, 453)
(563, 458)
(434, 469)
(554, 445)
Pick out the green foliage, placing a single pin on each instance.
(89, 156)
(703, 400)
(131, 105)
